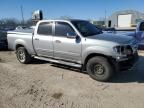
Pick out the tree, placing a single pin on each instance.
(8, 23)
(28, 22)
(65, 17)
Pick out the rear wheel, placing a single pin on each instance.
(22, 55)
(99, 69)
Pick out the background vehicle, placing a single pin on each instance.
(3, 40)
(138, 34)
(75, 43)
(21, 27)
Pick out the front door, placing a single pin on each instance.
(66, 48)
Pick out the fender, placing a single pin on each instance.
(96, 50)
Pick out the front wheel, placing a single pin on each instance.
(99, 69)
(22, 55)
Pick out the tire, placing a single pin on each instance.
(23, 56)
(99, 69)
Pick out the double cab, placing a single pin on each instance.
(76, 43)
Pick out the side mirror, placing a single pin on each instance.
(71, 35)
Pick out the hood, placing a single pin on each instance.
(120, 39)
(127, 33)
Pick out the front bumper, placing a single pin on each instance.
(126, 63)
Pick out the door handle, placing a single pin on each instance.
(58, 41)
(36, 38)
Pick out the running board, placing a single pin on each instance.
(59, 62)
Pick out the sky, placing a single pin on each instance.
(79, 9)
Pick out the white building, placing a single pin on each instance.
(124, 19)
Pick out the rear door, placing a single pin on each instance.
(66, 48)
(43, 39)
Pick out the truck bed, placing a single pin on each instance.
(22, 31)
(24, 36)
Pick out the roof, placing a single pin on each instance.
(63, 20)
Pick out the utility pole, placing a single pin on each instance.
(105, 16)
(22, 14)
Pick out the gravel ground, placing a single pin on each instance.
(45, 85)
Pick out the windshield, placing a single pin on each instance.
(86, 28)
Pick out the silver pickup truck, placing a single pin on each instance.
(75, 43)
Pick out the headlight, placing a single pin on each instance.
(123, 50)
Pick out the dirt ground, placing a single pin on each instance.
(45, 85)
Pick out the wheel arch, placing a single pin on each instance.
(19, 45)
(88, 57)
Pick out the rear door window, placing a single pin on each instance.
(45, 28)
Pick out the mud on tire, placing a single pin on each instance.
(99, 68)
